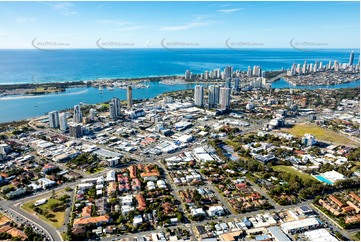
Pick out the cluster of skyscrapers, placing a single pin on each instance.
(217, 96)
(227, 73)
(306, 68)
(57, 120)
(60, 121)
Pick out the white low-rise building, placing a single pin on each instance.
(320, 235)
(216, 211)
(110, 176)
(161, 184)
(150, 185)
(137, 220)
(127, 200)
(300, 225)
(197, 212)
(126, 209)
(85, 186)
(46, 183)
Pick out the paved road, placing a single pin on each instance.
(263, 193)
(20, 216)
(191, 225)
(54, 234)
(345, 233)
(14, 210)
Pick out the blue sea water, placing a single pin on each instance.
(28, 66)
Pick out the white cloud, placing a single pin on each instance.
(190, 25)
(341, 26)
(64, 8)
(117, 22)
(25, 20)
(121, 25)
(101, 6)
(149, 43)
(130, 28)
(230, 10)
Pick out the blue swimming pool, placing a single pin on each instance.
(323, 179)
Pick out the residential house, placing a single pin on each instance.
(99, 220)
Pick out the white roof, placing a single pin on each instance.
(110, 175)
(215, 208)
(333, 175)
(199, 150)
(320, 235)
(205, 157)
(299, 224)
(137, 219)
(85, 185)
(185, 138)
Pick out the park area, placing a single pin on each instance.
(52, 210)
(289, 169)
(320, 133)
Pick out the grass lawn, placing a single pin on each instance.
(58, 219)
(7, 186)
(105, 105)
(96, 170)
(42, 89)
(289, 169)
(320, 133)
(232, 143)
(63, 236)
(356, 166)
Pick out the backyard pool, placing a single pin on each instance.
(323, 179)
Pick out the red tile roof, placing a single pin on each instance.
(141, 202)
(93, 220)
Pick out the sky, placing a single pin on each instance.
(179, 24)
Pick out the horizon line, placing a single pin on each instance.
(158, 48)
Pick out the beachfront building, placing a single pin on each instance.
(350, 62)
(236, 84)
(227, 73)
(187, 75)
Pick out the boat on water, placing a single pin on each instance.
(110, 88)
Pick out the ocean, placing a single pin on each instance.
(34, 66)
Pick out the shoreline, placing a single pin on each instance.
(322, 78)
(39, 89)
(293, 83)
(30, 88)
(82, 83)
(3, 124)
